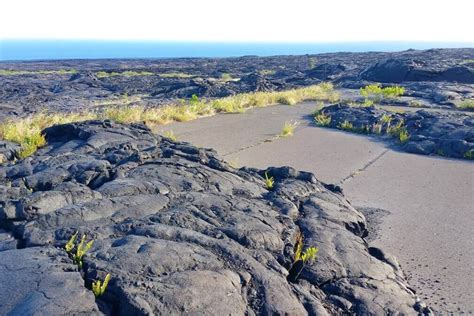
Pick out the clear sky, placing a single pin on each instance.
(240, 20)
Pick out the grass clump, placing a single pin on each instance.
(386, 119)
(322, 119)
(128, 73)
(9, 72)
(399, 131)
(241, 102)
(469, 154)
(287, 100)
(269, 182)
(27, 131)
(170, 134)
(226, 77)
(403, 136)
(99, 287)
(81, 249)
(375, 93)
(288, 129)
(466, 104)
(181, 75)
(346, 126)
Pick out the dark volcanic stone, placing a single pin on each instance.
(42, 281)
(181, 232)
(448, 134)
(326, 71)
(401, 70)
(8, 150)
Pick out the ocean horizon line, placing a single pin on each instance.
(50, 49)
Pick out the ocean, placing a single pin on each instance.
(17, 50)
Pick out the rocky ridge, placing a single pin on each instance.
(181, 232)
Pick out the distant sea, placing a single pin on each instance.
(11, 50)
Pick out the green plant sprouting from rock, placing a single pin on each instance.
(81, 249)
(399, 131)
(309, 254)
(269, 181)
(346, 126)
(300, 257)
(99, 287)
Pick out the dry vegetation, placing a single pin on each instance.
(27, 131)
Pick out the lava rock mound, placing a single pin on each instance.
(180, 232)
(441, 133)
(401, 70)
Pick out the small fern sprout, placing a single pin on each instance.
(98, 287)
(269, 182)
(71, 243)
(309, 255)
(82, 250)
(300, 258)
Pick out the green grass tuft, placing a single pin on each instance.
(375, 93)
(269, 182)
(346, 126)
(403, 136)
(386, 119)
(322, 119)
(288, 129)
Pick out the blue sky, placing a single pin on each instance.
(242, 20)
